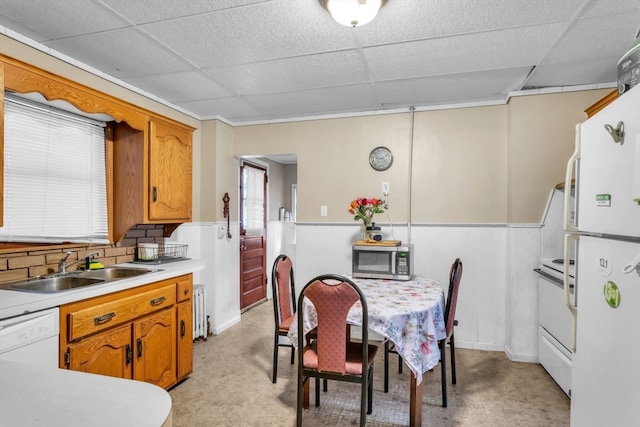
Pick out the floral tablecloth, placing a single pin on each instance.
(409, 313)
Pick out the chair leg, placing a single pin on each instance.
(325, 387)
(300, 400)
(370, 392)
(453, 359)
(293, 354)
(399, 364)
(317, 392)
(275, 359)
(386, 366)
(443, 367)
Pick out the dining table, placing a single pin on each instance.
(409, 313)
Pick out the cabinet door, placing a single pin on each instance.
(108, 353)
(185, 339)
(170, 170)
(155, 348)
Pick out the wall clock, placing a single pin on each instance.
(380, 158)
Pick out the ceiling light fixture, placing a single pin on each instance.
(353, 13)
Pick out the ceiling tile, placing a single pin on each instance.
(145, 11)
(586, 41)
(582, 72)
(261, 32)
(121, 53)
(181, 87)
(54, 20)
(325, 101)
(454, 88)
(462, 53)
(234, 108)
(293, 74)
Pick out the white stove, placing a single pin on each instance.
(555, 324)
(555, 267)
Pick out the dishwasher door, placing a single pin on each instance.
(31, 338)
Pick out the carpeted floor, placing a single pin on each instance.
(231, 386)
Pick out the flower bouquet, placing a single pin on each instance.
(364, 209)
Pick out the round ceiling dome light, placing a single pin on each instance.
(353, 13)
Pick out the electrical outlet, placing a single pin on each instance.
(385, 188)
(323, 210)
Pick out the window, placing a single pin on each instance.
(54, 175)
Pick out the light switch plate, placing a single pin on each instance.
(323, 210)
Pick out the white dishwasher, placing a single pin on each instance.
(31, 338)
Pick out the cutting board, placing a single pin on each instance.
(376, 243)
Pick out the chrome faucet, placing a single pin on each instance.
(62, 264)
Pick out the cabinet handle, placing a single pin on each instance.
(129, 354)
(186, 291)
(104, 318)
(157, 301)
(139, 347)
(183, 328)
(155, 193)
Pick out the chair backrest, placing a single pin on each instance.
(333, 296)
(284, 292)
(455, 274)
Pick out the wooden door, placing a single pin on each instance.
(154, 341)
(253, 191)
(170, 165)
(108, 353)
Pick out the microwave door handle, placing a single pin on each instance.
(394, 265)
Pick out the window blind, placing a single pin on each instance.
(253, 199)
(54, 175)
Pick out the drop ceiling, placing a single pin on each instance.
(248, 61)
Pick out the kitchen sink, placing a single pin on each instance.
(77, 279)
(114, 273)
(55, 284)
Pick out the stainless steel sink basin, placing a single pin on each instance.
(114, 273)
(65, 281)
(55, 284)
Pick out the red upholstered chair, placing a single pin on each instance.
(331, 355)
(284, 306)
(455, 274)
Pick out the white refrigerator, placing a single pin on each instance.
(604, 238)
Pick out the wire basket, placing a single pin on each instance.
(164, 252)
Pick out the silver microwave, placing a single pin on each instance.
(382, 262)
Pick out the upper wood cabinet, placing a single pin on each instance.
(170, 155)
(152, 175)
(149, 158)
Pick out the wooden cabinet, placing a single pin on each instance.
(152, 171)
(184, 321)
(170, 172)
(142, 333)
(154, 337)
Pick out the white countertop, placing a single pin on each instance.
(14, 303)
(54, 397)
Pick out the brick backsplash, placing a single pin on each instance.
(37, 261)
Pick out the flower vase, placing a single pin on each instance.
(366, 233)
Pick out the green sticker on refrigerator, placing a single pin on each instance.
(603, 199)
(612, 294)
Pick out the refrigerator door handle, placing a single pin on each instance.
(571, 166)
(568, 239)
(633, 265)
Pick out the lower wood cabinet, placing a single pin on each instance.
(144, 333)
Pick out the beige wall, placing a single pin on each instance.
(492, 164)
(541, 137)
